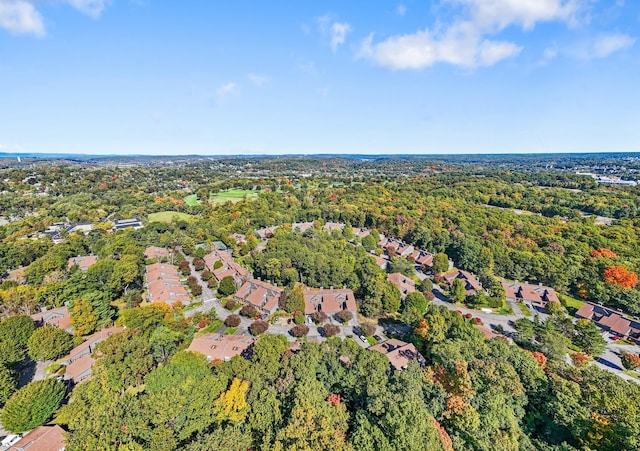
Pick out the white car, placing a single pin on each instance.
(10, 440)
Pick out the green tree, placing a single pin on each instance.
(227, 286)
(588, 338)
(17, 328)
(440, 263)
(458, 291)
(32, 405)
(369, 243)
(294, 301)
(83, 317)
(49, 342)
(125, 358)
(7, 384)
(401, 265)
(11, 353)
(414, 308)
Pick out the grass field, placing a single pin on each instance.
(233, 195)
(572, 304)
(192, 200)
(169, 216)
(524, 309)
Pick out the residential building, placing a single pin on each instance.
(262, 295)
(159, 253)
(381, 261)
(422, 258)
(399, 353)
(266, 232)
(360, 232)
(329, 301)
(58, 317)
(163, 284)
(80, 362)
(221, 348)
(471, 284)
(331, 226)
(42, 438)
(83, 263)
(534, 294)
(611, 321)
(302, 226)
(403, 283)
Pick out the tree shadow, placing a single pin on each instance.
(26, 372)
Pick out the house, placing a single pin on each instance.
(42, 438)
(159, 253)
(534, 294)
(471, 284)
(360, 232)
(82, 227)
(221, 348)
(611, 321)
(381, 261)
(235, 271)
(331, 226)
(163, 284)
(399, 353)
(404, 250)
(266, 232)
(403, 283)
(302, 226)
(329, 301)
(58, 317)
(121, 224)
(216, 255)
(80, 362)
(239, 238)
(83, 262)
(422, 258)
(262, 295)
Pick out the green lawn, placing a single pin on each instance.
(524, 309)
(230, 330)
(192, 200)
(371, 340)
(572, 304)
(233, 195)
(215, 325)
(169, 216)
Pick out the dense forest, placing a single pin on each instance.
(534, 389)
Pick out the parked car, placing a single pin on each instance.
(363, 338)
(10, 439)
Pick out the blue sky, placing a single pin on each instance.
(248, 77)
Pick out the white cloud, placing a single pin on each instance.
(91, 8)
(465, 41)
(226, 90)
(401, 10)
(605, 45)
(257, 80)
(548, 55)
(339, 33)
(20, 17)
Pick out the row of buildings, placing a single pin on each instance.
(163, 280)
(611, 321)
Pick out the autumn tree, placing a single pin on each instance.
(621, 276)
(294, 301)
(630, 361)
(232, 406)
(83, 318)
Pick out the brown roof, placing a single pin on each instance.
(471, 284)
(530, 293)
(404, 284)
(260, 294)
(163, 284)
(586, 311)
(398, 352)
(360, 232)
(328, 301)
(80, 360)
(233, 269)
(331, 226)
(220, 347)
(156, 252)
(58, 317)
(216, 255)
(42, 438)
(488, 333)
(302, 226)
(83, 262)
(382, 262)
(616, 323)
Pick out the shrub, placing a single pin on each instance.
(32, 405)
(580, 359)
(319, 317)
(230, 305)
(249, 311)
(368, 329)
(212, 283)
(298, 319)
(198, 264)
(184, 267)
(630, 361)
(300, 330)
(196, 290)
(344, 316)
(429, 296)
(258, 327)
(217, 265)
(227, 286)
(206, 275)
(331, 330)
(495, 302)
(232, 321)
